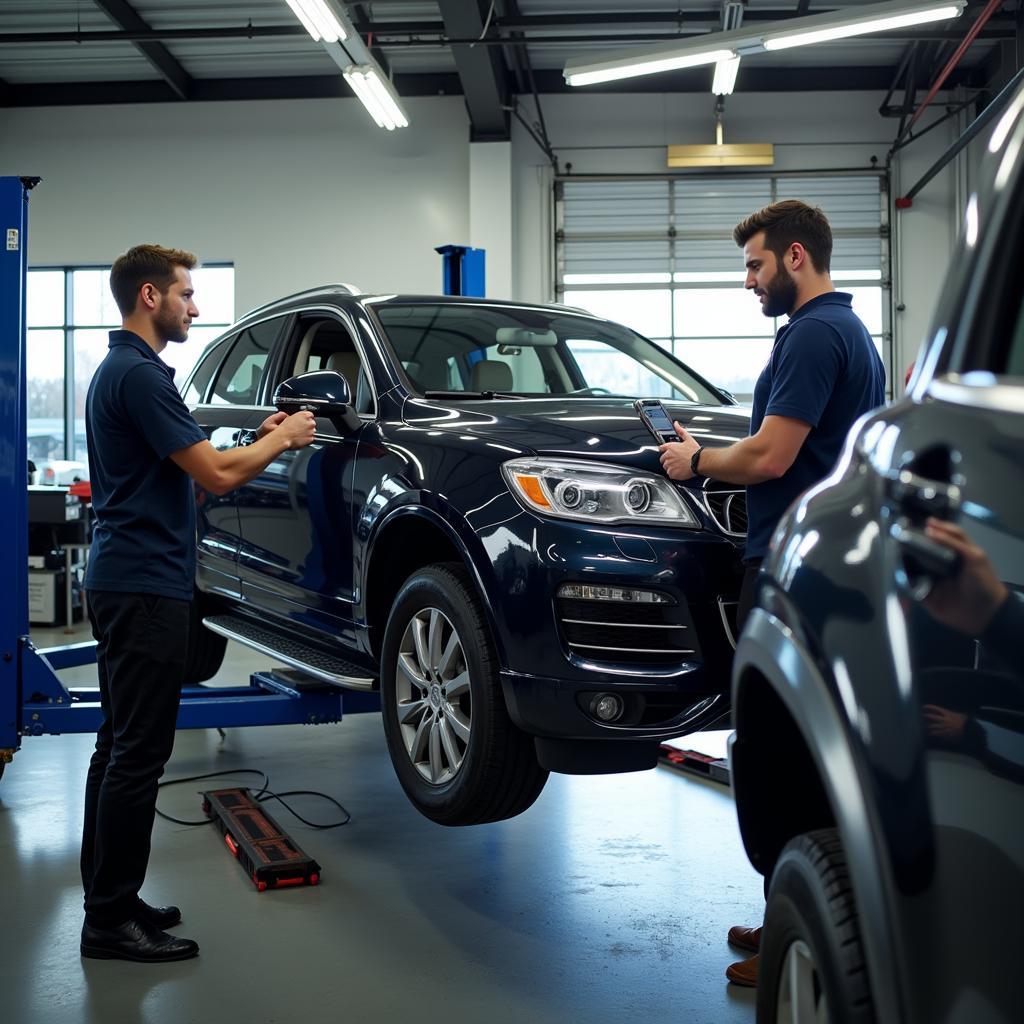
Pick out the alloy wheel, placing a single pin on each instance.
(433, 696)
(801, 996)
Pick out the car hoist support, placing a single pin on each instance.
(33, 700)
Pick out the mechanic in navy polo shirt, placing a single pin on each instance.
(823, 374)
(144, 447)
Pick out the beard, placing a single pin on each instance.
(779, 294)
(171, 327)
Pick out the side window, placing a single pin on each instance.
(197, 384)
(324, 343)
(1015, 357)
(238, 381)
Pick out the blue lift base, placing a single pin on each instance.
(271, 698)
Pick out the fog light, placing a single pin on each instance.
(587, 592)
(607, 707)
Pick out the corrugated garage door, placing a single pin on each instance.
(658, 255)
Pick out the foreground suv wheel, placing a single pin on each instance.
(456, 752)
(205, 648)
(812, 962)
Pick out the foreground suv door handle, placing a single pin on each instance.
(919, 497)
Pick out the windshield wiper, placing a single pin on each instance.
(486, 395)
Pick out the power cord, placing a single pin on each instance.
(262, 796)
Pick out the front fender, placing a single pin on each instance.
(770, 651)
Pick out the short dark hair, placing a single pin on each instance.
(787, 222)
(145, 264)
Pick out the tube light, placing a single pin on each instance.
(725, 76)
(376, 95)
(937, 12)
(319, 20)
(648, 66)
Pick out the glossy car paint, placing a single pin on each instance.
(931, 825)
(317, 524)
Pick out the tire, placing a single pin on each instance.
(205, 648)
(812, 959)
(457, 754)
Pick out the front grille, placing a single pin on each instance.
(727, 506)
(620, 632)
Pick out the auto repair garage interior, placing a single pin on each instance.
(599, 158)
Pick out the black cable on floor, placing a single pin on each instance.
(262, 796)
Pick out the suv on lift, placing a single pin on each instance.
(878, 759)
(481, 529)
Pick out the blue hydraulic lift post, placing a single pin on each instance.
(33, 700)
(13, 454)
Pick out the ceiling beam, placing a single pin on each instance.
(481, 69)
(122, 13)
(754, 79)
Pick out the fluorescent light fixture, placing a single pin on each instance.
(377, 95)
(319, 19)
(871, 18)
(722, 48)
(725, 76)
(633, 67)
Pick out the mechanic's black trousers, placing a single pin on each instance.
(142, 640)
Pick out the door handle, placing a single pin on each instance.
(919, 497)
(925, 561)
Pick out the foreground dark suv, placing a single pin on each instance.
(481, 529)
(879, 706)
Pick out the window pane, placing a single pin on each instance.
(45, 298)
(45, 370)
(647, 311)
(732, 363)
(867, 304)
(183, 355)
(90, 349)
(94, 305)
(604, 366)
(719, 313)
(215, 294)
(239, 378)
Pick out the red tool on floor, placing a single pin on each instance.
(257, 842)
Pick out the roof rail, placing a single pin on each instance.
(344, 288)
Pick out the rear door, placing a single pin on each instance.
(229, 389)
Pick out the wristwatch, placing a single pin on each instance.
(695, 462)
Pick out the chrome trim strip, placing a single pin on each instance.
(350, 682)
(624, 625)
(635, 650)
(984, 391)
(725, 621)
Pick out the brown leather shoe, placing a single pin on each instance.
(744, 972)
(745, 938)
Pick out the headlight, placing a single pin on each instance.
(593, 493)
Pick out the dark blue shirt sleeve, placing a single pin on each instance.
(156, 410)
(807, 367)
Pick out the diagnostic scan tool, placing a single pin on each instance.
(656, 419)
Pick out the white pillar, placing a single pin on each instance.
(490, 212)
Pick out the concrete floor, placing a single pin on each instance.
(609, 900)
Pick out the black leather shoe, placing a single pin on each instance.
(136, 940)
(162, 917)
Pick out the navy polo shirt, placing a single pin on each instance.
(144, 540)
(825, 371)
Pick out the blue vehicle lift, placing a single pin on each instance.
(33, 700)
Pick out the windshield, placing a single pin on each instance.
(515, 351)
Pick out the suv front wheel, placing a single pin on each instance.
(812, 962)
(458, 755)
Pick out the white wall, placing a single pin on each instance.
(294, 193)
(297, 193)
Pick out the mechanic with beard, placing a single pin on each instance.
(823, 374)
(143, 448)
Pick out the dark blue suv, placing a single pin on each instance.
(481, 530)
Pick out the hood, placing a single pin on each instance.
(605, 429)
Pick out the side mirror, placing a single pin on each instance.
(322, 392)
